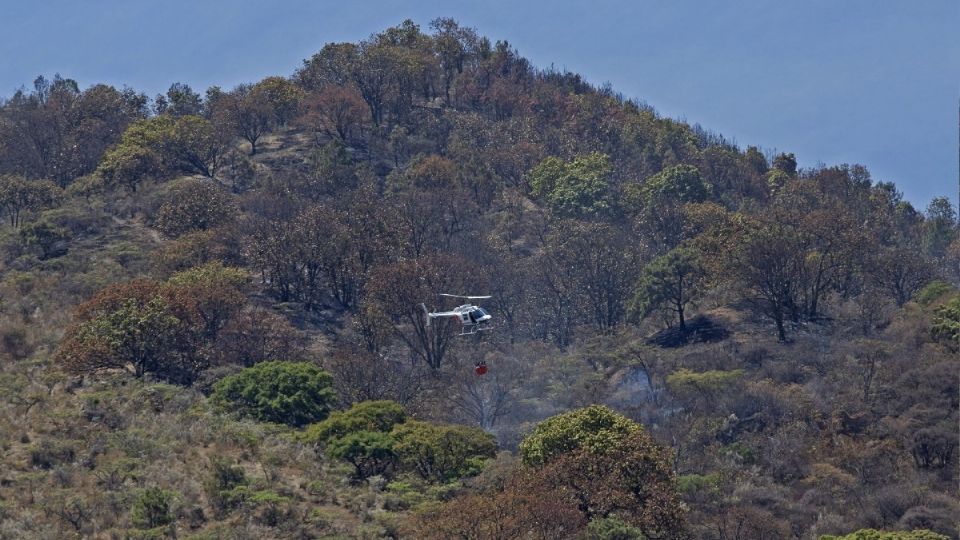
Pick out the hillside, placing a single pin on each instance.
(211, 321)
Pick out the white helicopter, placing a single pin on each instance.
(472, 318)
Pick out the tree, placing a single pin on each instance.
(768, 260)
(380, 416)
(138, 155)
(672, 280)
(151, 508)
(519, 510)
(337, 111)
(786, 163)
(194, 145)
(19, 196)
(454, 46)
(362, 375)
(946, 322)
(900, 270)
(249, 112)
(181, 100)
(661, 200)
(47, 236)
(677, 184)
(283, 97)
(578, 188)
(292, 393)
(60, 133)
(254, 336)
(637, 483)
(594, 428)
(162, 144)
(394, 295)
(194, 205)
(940, 227)
(333, 66)
(873, 534)
(370, 452)
(165, 328)
(144, 334)
(441, 453)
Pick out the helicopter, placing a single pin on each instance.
(472, 318)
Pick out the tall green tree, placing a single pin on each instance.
(672, 281)
(579, 188)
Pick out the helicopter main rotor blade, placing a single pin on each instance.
(466, 297)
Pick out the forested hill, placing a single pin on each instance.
(211, 321)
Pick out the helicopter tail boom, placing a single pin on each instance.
(426, 313)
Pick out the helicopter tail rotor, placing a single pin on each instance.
(426, 313)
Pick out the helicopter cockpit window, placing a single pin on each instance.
(478, 313)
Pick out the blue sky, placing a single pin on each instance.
(856, 81)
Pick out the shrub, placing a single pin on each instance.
(365, 416)
(195, 205)
(612, 528)
(292, 393)
(151, 508)
(873, 534)
(933, 292)
(595, 428)
(442, 452)
(370, 452)
(226, 486)
(946, 322)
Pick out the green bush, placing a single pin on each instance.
(226, 486)
(612, 529)
(292, 393)
(873, 534)
(364, 416)
(933, 292)
(698, 483)
(595, 427)
(946, 322)
(442, 452)
(151, 508)
(370, 452)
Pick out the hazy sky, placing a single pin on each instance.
(857, 81)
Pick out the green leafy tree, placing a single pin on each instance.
(226, 486)
(612, 529)
(672, 281)
(282, 95)
(194, 145)
(609, 466)
(946, 322)
(786, 163)
(594, 428)
(152, 509)
(370, 452)
(379, 416)
(661, 200)
(138, 155)
(579, 188)
(442, 452)
(940, 228)
(195, 205)
(19, 196)
(677, 184)
(140, 331)
(292, 393)
(48, 237)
